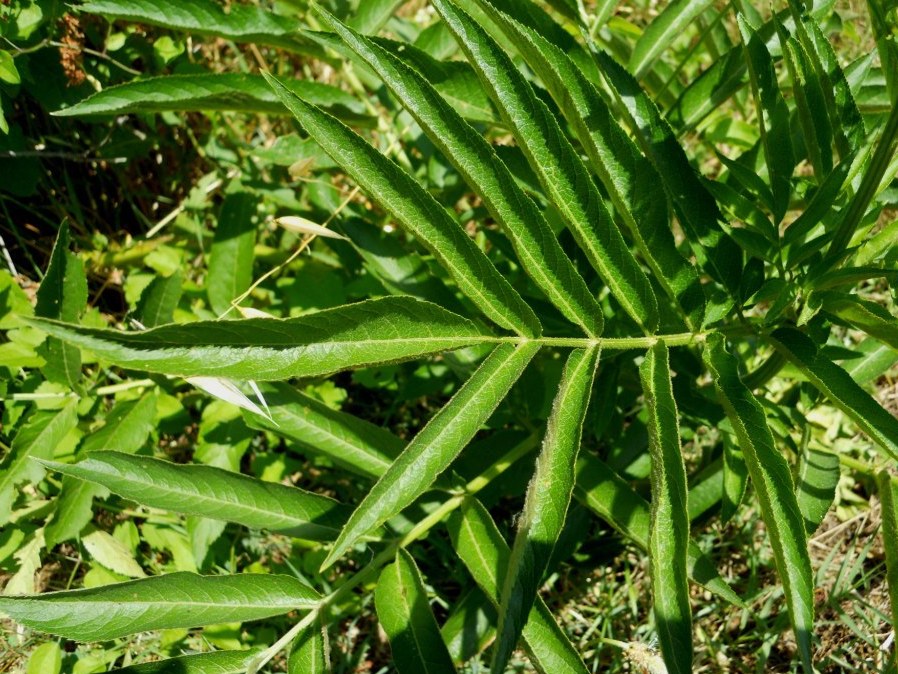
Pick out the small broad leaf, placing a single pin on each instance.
(62, 295)
(36, 439)
(561, 172)
(609, 496)
(437, 444)
(534, 242)
(669, 537)
(838, 386)
(348, 441)
(818, 477)
(112, 554)
(404, 612)
(662, 31)
(309, 652)
(159, 300)
(772, 482)
(213, 91)
(210, 492)
(418, 212)
(241, 23)
(174, 600)
(632, 182)
(217, 662)
(546, 502)
(485, 553)
(230, 266)
(357, 335)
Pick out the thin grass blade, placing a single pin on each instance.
(676, 17)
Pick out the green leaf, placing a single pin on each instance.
(159, 300)
(348, 441)
(470, 627)
(62, 295)
(45, 659)
(536, 246)
(235, 92)
(818, 477)
(774, 118)
(241, 23)
(677, 16)
(217, 662)
(546, 503)
(419, 212)
(162, 602)
(560, 170)
(870, 317)
(36, 439)
(607, 494)
(735, 477)
(404, 612)
(8, 71)
(708, 91)
(437, 444)
(210, 492)
(888, 494)
(669, 535)
(231, 262)
(309, 654)
(874, 359)
(630, 179)
(485, 553)
(372, 15)
(772, 481)
(695, 206)
(838, 386)
(357, 335)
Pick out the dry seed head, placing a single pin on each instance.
(645, 657)
(294, 223)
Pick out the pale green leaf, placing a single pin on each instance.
(162, 602)
(45, 659)
(485, 554)
(669, 535)
(348, 441)
(676, 17)
(217, 662)
(112, 554)
(772, 481)
(560, 171)
(403, 610)
(534, 242)
(546, 503)
(230, 265)
(210, 492)
(37, 438)
(630, 179)
(437, 444)
(159, 300)
(610, 497)
(838, 386)
(367, 333)
(419, 212)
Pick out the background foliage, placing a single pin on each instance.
(507, 476)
